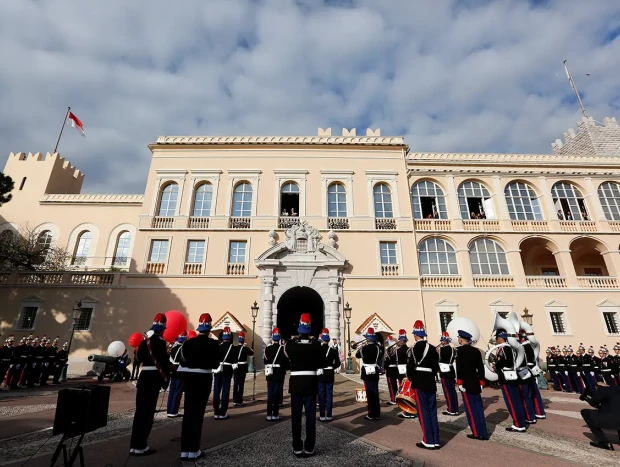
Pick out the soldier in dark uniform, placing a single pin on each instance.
(175, 390)
(573, 364)
(369, 355)
(276, 363)
(242, 352)
(223, 376)
(154, 376)
(447, 356)
(470, 371)
(17, 364)
(27, 357)
(200, 356)
(563, 370)
(6, 358)
(37, 361)
(330, 366)
(617, 362)
(400, 359)
(61, 361)
(49, 362)
(607, 401)
(607, 366)
(306, 357)
(391, 370)
(588, 370)
(509, 380)
(532, 399)
(552, 367)
(422, 367)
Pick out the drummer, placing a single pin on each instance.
(401, 365)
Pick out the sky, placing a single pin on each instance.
(450, 76)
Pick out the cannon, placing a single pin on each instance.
(115, 368)
(101, 358)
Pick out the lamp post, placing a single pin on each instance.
(347, 314)
(527, 317)
(77, 311)
(252, 368)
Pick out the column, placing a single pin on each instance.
(334, 307)
(465, 267)
(516, 268)
(547, 203)
(565, 263)
(267, 317)
(595, 209)
(453, 203)
(502, 214)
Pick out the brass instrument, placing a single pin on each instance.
(360, 344)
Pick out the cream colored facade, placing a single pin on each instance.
(358, 244)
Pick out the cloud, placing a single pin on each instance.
(449, 75)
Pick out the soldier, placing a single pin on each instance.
(331, 365)
(223, 376)
(306, 357)
(6, 358)
(242, 351)
(154, 376)
(509, 380)
(200, 356)
(552, 362)
(175, 390)
(17, 364)
(607, 366)
(563, 370)
(391, 369)
(574, 370)
(276, 363)
(447, 357)
(49, 361)
(470, 370)
(27, 360)
(617, 361)
(587, 369)
(531, 393)
(36, 362)
(369, 354)
(61, 361)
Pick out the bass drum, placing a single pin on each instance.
(360, 395)
(405, 399)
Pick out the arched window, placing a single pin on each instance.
(121, 252)
(289, 199)
(383, 201)
(569, 202)
(336, 200)
(242, 200)
(44, 242)
(475, 201)
(522, 202)
(428, 201)
(487, 257)
(203, 196)
(437, 257)
(81, 248)
(168, 200)
(609, 195)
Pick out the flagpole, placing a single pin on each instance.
(574, 86)
(62, 128)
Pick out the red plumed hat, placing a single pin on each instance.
(305, 324)
(159, 322)
(418, 329)
(305, 319)
(204, 323)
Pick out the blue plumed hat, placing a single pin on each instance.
(159, 322)
(226, 334)
(370, 334)
(325, 335)
(501, 333)
(204, 323)
(418, 329)
(305, 324)
(275, 334)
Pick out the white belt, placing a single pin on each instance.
(225, 363)
(574, 365)
(303, 373)
(392, 366)
(197, 370)
(328, 368)
(242, 363)
(149, 368)
(424, 369)
(275, 365)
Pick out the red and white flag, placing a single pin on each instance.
(76, 123)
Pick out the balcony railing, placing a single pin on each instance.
(4, 277)
(198, 223)
(578, 226)
(597, 282)
(389, 270)
(483, 225)
(337, 223)
(385, 223)
(63, 279)
(192, 268)
(494, 282)
(614, 226)
(87, 278)
(286, 222)
(240, 222)
(433, 224)
(546, 282)
(155, 268)
(235, 269)
(79, 260)
(441, 282)
(39, 278)
(530, 226)
(162, 222)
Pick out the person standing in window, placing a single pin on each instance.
(284, 213)
(569, 216)
(293, 213)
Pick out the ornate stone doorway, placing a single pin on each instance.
(301, 261)
(293, 303)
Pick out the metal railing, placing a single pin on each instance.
(546, 282)
(63, 278)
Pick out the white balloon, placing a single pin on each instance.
(116, 349)
(463, 324)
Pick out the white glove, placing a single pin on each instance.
(461, 388)
(592, 373)
(566, 373)
(481, 388)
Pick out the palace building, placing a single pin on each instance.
(311, 223)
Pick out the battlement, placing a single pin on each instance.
(51, 159)
(590, 139)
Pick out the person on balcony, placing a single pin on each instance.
(293, 213)
(560, 215)
(284, 213)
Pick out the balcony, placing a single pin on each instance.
(546, 282)
(91, 278)
(39, 278)
(441, 282)
(614, 226)
(597, 282)
(192, 269)
(162, 222)
(337, 223)
(201, 223)
(530, 226)
(433, 225)
(286, 222)
(482, 225)
(62, 278)
(155, 268)
(235, 269)
(578, 226)
(389, 270)
(239, 222)
(494, 282)
(385, 223)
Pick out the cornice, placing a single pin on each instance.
(93, 199)
(514, 159)
(398, 141)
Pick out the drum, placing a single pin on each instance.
(360, 395)
(405, 399)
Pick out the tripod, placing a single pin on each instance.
(62, 446)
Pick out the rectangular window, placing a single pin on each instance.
(444, 318)
(550, 272)
(83, 322)
(159, 251)
(557, 321)
(195, 251)
(27, 317)
(593, 272)
(503, 314)
(387, 250)
(237, 252)
(611, 322)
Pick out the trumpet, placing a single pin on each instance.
(360, 344)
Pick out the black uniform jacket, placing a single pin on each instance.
(61, 357)
(587, 365)
(421, 369)
(447, 354)
(470, 369)
(617, 360)
(608, 366)
(175, 359)
(607, 400)
(153, 377)
(331, 361)
(370, 356)
(596, 364)
(573, 364)
(242, 352)
(304, 354)
(20, 355)
(200, 352)
(227, 360)
(505, 359)
(394, 357)
(530, 355)
(562, 364)
(269, 358)
(6, 356)
(552, 363)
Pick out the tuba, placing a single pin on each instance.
(512, 341)
(529, 332)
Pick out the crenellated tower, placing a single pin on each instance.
(591, 139)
